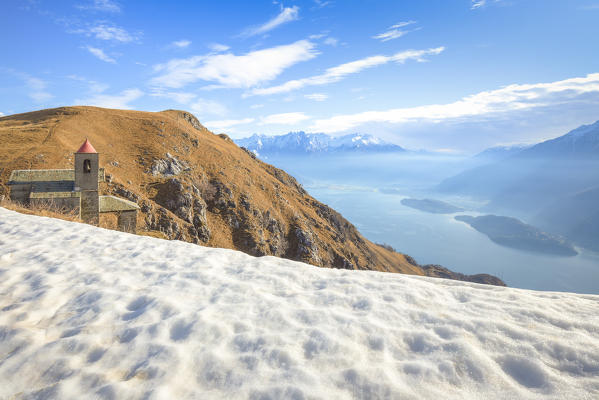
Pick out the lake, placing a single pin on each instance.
(355, 189)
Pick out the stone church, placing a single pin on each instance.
(73, 189)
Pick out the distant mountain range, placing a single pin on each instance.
(302, 143)
(554, 183)
(500, 152)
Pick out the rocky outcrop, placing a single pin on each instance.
(181, 200)
(169, 166)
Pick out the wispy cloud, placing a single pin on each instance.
(394, 31)
(284, 118)
(181, 43)
(99, 53)
(105, 31)
(287, 14)
(331, 41)
(218, 48)
(37, 87)
(227, 123)
(322, 3)
(316, 96)
(516, 97)
(101, 5)
(93, 86)
(477, 4)
(339, 72)
(229, 70)
(120, 100)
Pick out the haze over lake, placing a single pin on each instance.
(368, 190)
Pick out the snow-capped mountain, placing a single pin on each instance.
(311, 143)
(94, 313)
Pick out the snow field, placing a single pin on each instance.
(87, 312)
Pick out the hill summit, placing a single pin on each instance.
(195, 186)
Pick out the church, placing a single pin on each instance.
(73, 189)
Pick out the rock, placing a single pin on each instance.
(200, 222)
(164, 223)
(306, 246)
(341, 262)
(192, 120)
(178, 199)
(121, 191)
(249, 152)
(169, 166)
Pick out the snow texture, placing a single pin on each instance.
(92, 313)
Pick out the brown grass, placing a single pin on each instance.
(44, 209)
(50, 209)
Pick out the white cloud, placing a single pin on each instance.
(255, 106)
(181, 43)
(331, 41)
(228, 123)
(229, 70)
(284, 118)
(287, 14)
(394, 31)
(218, 48)
(99, 53)
(1, 114)
(316, 96)
(480, 3)
(101, 5)
(339, 72)
(516, 97)
(120, 100)
(104, 31)
(203, 107)
(477, 4)
(321, 3)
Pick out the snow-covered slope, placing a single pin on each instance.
(92, 313)
(301, 143)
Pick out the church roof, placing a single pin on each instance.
(86, 147)
(46, 175)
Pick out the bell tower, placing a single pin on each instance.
(86, 182)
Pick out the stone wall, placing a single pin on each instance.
(90, 207)
(128, 221)
(20, 192)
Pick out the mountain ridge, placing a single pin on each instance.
(301, 143)
(195, 186)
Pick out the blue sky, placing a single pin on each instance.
(451, 76)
